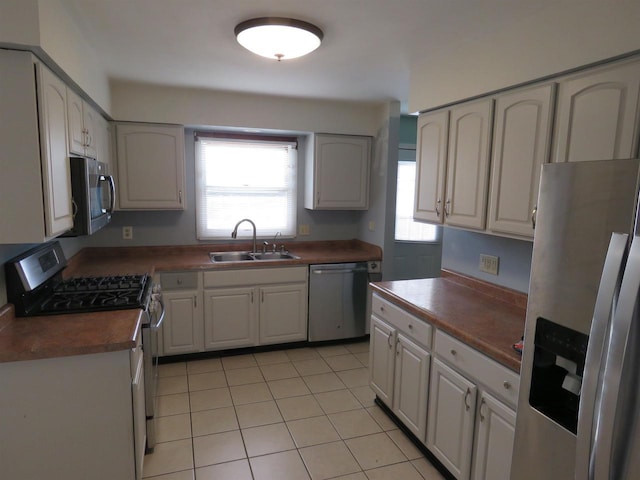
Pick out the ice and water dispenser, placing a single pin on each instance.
(558, 367)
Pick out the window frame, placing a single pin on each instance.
(289, 189)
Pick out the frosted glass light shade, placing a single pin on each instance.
(278, 38)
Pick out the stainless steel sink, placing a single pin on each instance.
(217, 257)
(274, 256)
(230, 256)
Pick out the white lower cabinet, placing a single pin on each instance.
(471, 411)
(182, 328)
(460, 403)
(382, 340)
(411, 385)
(249, 307)
(230, 318)
(451, 419)
(494, 439)
(283, 313)
(75, 417)
(399, 363)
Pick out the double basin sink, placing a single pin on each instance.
(217, 257)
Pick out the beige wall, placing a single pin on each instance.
(44, 27)
(553, 40)
(198, 107)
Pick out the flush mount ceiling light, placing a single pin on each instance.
(278, 38)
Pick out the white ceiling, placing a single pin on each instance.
(366, 54)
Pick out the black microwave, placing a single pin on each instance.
(94, 195)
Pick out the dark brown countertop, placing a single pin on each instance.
(84, 333)
(484, 316)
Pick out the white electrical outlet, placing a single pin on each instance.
(127, 233)
(489, 264)
(372, 226)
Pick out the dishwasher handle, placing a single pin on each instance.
(338, 271)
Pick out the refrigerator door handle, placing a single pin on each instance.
(604, 448)
(589, 410)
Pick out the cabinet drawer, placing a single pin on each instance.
(500, 380)
(413, 327)
(255, 276)
(179, 281)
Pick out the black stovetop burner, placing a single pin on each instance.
(92, 294)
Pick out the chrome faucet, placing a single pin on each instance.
(234, 234)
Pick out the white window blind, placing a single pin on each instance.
(407, 228)
(238, 178)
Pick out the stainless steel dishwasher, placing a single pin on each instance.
(338, 300)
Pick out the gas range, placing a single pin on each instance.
(93, 294)
(35, 286)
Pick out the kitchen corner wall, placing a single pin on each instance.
(461, 251)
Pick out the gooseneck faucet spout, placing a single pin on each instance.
(234, 234)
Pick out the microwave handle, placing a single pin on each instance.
(112, 191)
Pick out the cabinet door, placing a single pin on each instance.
(341, 172)
(411, 384)
(433, 134)
(150, 167)
(521, 144)
(283, 313)
(90, 120)
(56, 174)
(182, 329)
(381, 359)
(103, 134)
(468, 164)
(230, 316)
(76, 133)
(598, 115)
(450, 424)
(494, 440)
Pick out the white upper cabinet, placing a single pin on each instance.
(83, 125)
(337, 172)
(521, 144)
(433, 135)
(35, 185)
(151, 166)
(55, 163)
(597, 115)
(453, 165)
(468, 164)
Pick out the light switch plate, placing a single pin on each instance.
(489, 264)
(304, 229)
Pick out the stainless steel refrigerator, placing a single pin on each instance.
(580, 378)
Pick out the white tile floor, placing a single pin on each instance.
(304, 413)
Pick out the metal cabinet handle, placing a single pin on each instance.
(251, 296)
(447, 206)
(389, 340)
(453, 352)
(506, 385)
(179, 281)
(466, 398)
(483, 405)
(195, 301)
(262, 296)
(410, 327)
(438, 203)
(534, 214)
(180, 196)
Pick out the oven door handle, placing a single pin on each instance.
(157, 325)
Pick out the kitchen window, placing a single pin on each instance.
(245, 177)
(407, 229)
